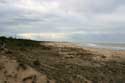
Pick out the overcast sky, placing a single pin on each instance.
(64, 20)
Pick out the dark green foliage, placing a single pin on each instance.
(2, 40)
(18, 43)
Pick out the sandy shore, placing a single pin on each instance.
(27, 61)
(110, 54)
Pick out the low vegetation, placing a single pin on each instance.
(65, 64)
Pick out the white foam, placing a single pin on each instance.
(96, 45)
(91, 45)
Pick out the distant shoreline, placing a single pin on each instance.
(60, 62)
(112, 46)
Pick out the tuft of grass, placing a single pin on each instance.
(22, 65)
(36, 63)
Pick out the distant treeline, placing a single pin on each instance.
(14, 42)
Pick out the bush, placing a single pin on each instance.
(36, 62)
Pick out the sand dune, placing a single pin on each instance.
(26, 61)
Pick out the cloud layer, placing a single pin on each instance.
(64, 20)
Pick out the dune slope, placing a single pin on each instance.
(62, 62)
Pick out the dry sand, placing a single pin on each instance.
(13, 72)
(110, 54)
(63, 63)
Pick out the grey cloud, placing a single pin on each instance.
(93, 6)
(89, 16)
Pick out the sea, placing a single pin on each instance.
(114, 46)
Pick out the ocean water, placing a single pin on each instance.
(114, 46)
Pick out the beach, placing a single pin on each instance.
(59, 62)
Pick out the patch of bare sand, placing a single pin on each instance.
(102, 53)
(109, 54)
(13, 72)
(60, 44)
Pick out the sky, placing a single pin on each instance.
(64, 20)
